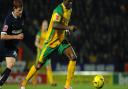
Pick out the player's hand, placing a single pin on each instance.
(68, 32)
(20, 36)
(40, 47)
(72, 28)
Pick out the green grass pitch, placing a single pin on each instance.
(79, 86)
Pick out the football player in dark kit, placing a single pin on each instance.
(11, 34)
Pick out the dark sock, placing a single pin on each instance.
(5, 76)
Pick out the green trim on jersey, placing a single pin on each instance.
(39, 33)
(48, 61)
(47, 51)
(51, 34)
(59, 10)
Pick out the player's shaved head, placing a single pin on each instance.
(68, 3)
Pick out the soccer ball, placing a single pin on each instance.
(98, 81)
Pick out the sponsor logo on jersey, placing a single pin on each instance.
(17, 31)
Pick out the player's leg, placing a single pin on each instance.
(34, 80)
(66, 48)
(31, 73)
(46, 51)
(49, 73)
(33, 70)
(69, 52)
(10, 63)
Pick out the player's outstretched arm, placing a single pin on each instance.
(37, 43)
(11, 37)
(59, 26)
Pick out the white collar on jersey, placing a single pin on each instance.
(14, 15)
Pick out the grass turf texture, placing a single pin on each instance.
(80, 86)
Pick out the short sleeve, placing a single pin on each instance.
(38, 34)
(6, 26)
(57, 14)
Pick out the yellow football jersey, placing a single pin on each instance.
(41, 36)
(62, 15)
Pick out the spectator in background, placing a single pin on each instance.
(40, 37)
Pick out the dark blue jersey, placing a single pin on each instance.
(12, 26)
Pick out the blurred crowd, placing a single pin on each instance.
(102, 37)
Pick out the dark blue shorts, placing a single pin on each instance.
(11, 53)
(8, 53)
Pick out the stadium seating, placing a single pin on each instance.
(103, 28)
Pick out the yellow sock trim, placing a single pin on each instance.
(70, 73)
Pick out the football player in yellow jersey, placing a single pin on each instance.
(40, 37)
(55, 42)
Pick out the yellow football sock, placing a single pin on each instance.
(32, 71)
(70, 73)
(34, 80)
(50, 75)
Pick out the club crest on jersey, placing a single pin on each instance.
(5, 28)
(57, 17)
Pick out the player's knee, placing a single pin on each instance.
(39, 65)
(74, 58)
(10, 65)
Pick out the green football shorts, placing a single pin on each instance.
(48, 61)
(47, 50)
